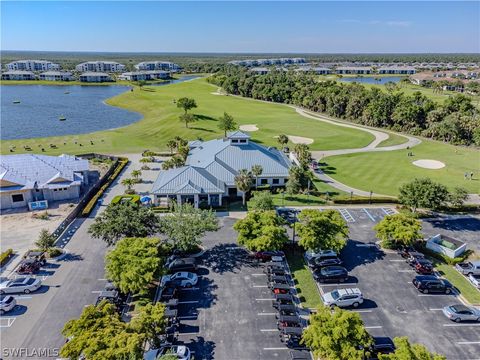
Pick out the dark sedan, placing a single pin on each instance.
(431, 284)
(331, 273)
(267, 255)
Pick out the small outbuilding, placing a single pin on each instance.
(446, 245)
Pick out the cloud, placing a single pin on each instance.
(392, 23)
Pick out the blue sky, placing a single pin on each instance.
(307, 27)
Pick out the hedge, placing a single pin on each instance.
(365, 200)
(133, 198)
(161, 209)
(122, 162)
(5, 256)
(445, 259)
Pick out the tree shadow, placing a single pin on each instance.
(230, 257)
(204, 117)
(328, 170)
(71, 257)
(357, 253)
(470, 224)
(202, 129)
(204, 350)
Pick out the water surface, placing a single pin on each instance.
(372, 80)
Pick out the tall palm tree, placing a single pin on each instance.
(136, 174)
(128, 183)
(172, 145)
(257, 170)
(243, 182)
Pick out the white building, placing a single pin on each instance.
(262, 62)
(158, 65)
(56, 76)
(359, 70)
(397, 70)
(95, 77)
(18, 75)
(260, 70)
(32, 65)
(315, 69)
(100, 66)
(144, 75)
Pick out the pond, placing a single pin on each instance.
(30, 111)
(372, 79)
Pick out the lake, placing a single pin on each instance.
(84, 109)
(372, 80)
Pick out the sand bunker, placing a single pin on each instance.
(249, 127)
(300, 140)
(429, 164)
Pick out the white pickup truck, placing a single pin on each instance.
(469, 268)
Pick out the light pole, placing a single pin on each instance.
(351, 196)
(370, 201)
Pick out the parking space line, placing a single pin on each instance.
(439, 309)
(260, 286)
(188, 333)
(268, 330)
(362, 311)
(373, 327)
(276, 348)
(396, 260)
(461, 325)
(192, 288)
(365, 245)
(346, 215)
(102, 279)
(339, 284)
(266, 314)
(189, 302)
(9, 320)
(269, 299)
(368, 214)
(388, 211)
(22, 297)
(261, 274)
(406, 270)
(189, 317)
(96, 291)
(467, 342)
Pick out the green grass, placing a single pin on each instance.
(466, 289)
(385, 172)
(304, 282)
(161, 123)
(393, 139)
(297, 200)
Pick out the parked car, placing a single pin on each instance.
(475, 280)
(181, 264)
(111, 296)
(278, 279)
(36, 255)
(405, 251)
(300, 355)
(343, 298)
(182, 352)
(168, 293)
(289, 321)
(19, 285)
(282, 299)
(423, 266)
(286, 310)
(182, 279)
(7, 303)
(268, 255)
(431, 284)
(280, 288)
(331, 273)
(310, 254)
(461, 312)
(28, 267)
(288, 214)
(381, 345)
(413, 257)
(469, 268)
(325, 261)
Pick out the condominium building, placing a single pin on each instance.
(95, 77)
(397, 70)
(262, 62)
(158, 65)
(144, 75)
(363, 70)
(100, 66)
(18, 75)
(32, 65)
(56, 76)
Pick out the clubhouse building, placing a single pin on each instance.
(210, 169)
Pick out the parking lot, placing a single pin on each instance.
(393, 306)
(230, 314)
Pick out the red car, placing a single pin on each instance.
(265, 256)
(29, 266)
(423, 266)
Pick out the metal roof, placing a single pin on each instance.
(187, 180)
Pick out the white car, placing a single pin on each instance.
(311, 254)
(19, 285)
(182, 352)
(7, 303)
(475, 280)
(183, 279)
(343, 298)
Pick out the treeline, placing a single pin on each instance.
(455, 121)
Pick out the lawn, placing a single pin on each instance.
(304, 282)
(161, 123)
(384, 172)
(464, 286)
(393, 139)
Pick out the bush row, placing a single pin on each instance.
(122, 162)
(133, 198)
(5, 256)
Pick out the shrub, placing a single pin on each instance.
(145, 167)
(54, 252)
(121, 198)
(129, 191)
(5, 256)
(443, 258)
(45, 240)
(43, 216)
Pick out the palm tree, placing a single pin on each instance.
(282, 140)
(172, 145)
(243, 182)
(136, 174)
(177, 161)
(257, 170)
(128, 183)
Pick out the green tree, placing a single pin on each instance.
(399, 229)
(322, 230)
(298, 178)
(186, 225)
(100, 334)
(187, 119)
(282, 140)
(458, 196)
(226, 123)
(124, 219)
(141, 84)
(243, 182)
(136, 174)
(186, 104)
(262, 201)
(128, 183)
(336, 335)
(423, 193)
(45, 240)
(133, 264)
(406, 351)
(151, 322)
(257, 170)
(261, 230)
(303, 154)
(171, 145)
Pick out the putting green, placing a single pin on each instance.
(161, 123)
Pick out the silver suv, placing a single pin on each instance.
(343, 298)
